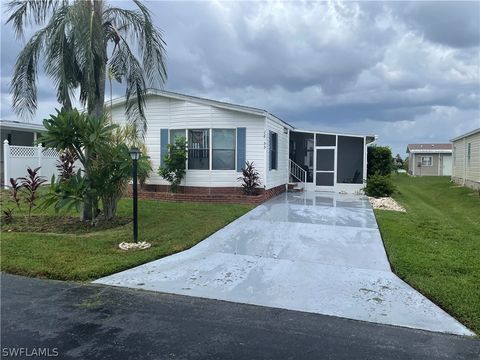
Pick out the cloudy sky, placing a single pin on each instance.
(408, 72)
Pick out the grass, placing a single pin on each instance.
(435, 246)
(71, 253)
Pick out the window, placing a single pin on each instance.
(198, 149)
(223, 149)
(469, 153)
(273, 151)
(174, 134)
(426, 161)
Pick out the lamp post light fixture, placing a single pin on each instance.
(135, 155)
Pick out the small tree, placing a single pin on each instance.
(405, 163)
(102, 149)
(174, 167)
(379, 160)
(250, 178)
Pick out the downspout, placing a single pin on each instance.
(438, 164)
(365, 154)
(414, 164)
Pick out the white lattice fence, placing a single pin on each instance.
(16, 160)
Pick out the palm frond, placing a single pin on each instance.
(24, 80)
(30, 12)
(60, 61)
(124, 62)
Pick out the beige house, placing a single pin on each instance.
(466, 159)
(429, 159)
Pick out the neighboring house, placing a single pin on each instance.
(222, 136)
(429, 159)
(466, 159)
(19, 134)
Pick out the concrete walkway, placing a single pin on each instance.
(312, 252)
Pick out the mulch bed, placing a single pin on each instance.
(61, 224)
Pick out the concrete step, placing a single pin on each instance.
(294, 187)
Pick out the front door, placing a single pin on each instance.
(446, 165)
(324, 168)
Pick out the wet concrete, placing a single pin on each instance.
(312, 252)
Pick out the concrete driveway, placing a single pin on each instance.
(312, 252)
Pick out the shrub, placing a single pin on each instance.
(15, 191)
(7, 215)
(379, 185)
(102, 149)
(31, 183)
(379, 160)
(250, 179)
(174, 169)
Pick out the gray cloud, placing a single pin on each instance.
(406, 71)
(451, 23)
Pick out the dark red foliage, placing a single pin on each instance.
(31, 183)
(66, 165)
(250, 179)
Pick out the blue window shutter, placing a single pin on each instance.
(163, 145)
(241, 148)
(269, 156)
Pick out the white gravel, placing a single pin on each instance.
(134, 246)
(386, 203)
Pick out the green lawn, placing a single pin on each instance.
(75, 254)
(435, 246)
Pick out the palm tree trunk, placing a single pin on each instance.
(96, 96)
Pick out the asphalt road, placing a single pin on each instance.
(84, 321)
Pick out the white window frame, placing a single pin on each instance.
(209, 130)
(270, 136)
(235, 149)
(425, 164)
(210, 149)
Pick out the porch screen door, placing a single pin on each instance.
(325, 169)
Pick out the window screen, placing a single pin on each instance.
(223, 149)
(325, 140)
(273, 151)
(198, 149)
(301, 151)
(350, 160)
(325, 159)
(324, 179)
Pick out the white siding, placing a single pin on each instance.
(280, 175)
(162, 112)
(462, 169)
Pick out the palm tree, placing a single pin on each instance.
(78, 41)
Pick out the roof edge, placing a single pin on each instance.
(200, 100)
(470, 133)
(20, 125)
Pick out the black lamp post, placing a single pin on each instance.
(135, 154)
